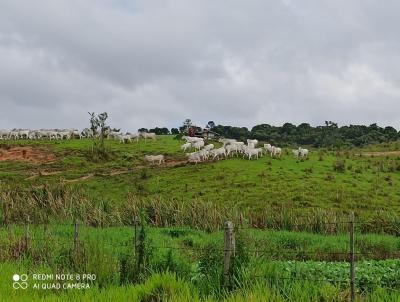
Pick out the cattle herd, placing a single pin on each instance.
(232, 147)
(203, 152)
(61, 134)
(51, 134)
(229, 148)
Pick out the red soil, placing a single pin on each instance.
(26, 154)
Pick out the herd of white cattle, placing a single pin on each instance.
(229, 148)
(62, 134)
(51, 134)
(203, 152)
(232, 147)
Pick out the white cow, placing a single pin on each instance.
(192, 139)
(113, 135)
(4, 134)
(252, 141)
(124, 138)
(133, 136)
(227, 141)
(268, 148)
(86, 133)
(194, 157)
(147, 135)
(253, 152)
(154, 158)
(276, 152)
(232, 148)
(23, 134)
(185, 146)
(209, 147)
(216, 153)
(303, 152)
(198, 145)
(204, 154)
(64, 135)
(74, 133)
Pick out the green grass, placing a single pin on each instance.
(267, 244)
(367, 184)
(185, 264)
(194, 258)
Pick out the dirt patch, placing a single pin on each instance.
(118, 172)
(27, 154)
(175, 163)
(80, 178)
(42, 173)
(382, 153)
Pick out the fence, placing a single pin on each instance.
(229, 251)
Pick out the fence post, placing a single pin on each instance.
(140, 251)
(229, 251)
(76, 237)
(352, 258)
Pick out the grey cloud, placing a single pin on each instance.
(154, 63)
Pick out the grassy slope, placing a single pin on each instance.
(247, 184)
(367, 184)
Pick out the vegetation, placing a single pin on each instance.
(329, 135)
(98, 129)
(291, 217)
(267, 192)
(189, 262)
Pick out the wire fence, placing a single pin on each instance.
(78, 236)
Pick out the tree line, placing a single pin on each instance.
(329, 135)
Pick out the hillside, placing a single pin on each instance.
(354, 179)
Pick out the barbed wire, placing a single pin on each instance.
(272, 253)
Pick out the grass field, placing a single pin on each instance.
(366, 185)
(292, 219)
(186, 264)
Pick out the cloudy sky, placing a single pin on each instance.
(154, 63)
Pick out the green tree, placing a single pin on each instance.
(99, 129)
(210, 125)
(185, 126)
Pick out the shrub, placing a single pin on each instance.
(339, 165)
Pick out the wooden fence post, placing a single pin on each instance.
(76, 237)
(352, 258)
(229, 251)
(140, 251)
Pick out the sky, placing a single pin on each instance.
(155, 63)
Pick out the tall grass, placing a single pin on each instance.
(64, 203)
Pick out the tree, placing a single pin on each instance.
(210, 125)
(160, 131)
(185, 126)
(174, 131)
(99, 129)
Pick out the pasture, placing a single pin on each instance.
(290, 215)
(341, 181)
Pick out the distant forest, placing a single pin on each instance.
(330, 135)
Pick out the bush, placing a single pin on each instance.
(339, 165)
